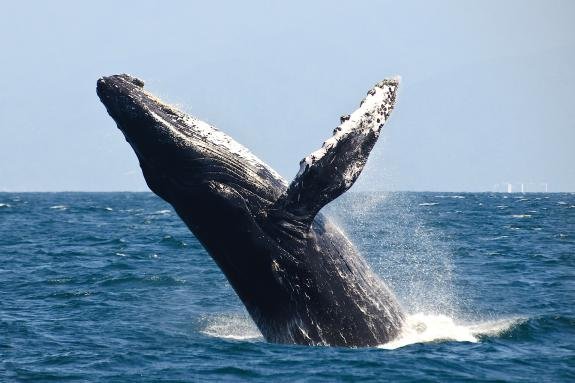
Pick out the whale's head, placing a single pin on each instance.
(218, 188)
(183, 158)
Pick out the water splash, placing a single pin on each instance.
(426, 328)
(408, 253)
(413, 257)
(231, 326)
(419, 328)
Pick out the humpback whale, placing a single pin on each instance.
(299, 277)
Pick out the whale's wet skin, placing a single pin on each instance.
(300, 278)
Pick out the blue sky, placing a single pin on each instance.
(487, 92)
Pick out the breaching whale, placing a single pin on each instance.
(301, 280)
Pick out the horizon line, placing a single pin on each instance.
(349, 191)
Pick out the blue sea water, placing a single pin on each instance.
(112, 287)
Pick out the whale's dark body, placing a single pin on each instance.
(299, 277)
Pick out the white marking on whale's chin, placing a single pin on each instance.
(426, 328)
(217, 137)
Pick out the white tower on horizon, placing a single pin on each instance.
(524, 187)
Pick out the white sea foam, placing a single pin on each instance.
(521, 216)
(429, 204)
(231, 326)
(426, 328)
(4, 205)
(419, 328)
(59, 207)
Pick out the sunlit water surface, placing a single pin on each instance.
(113, 287)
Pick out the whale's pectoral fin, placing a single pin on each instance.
(329, 171)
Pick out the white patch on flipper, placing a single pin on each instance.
(378, 102)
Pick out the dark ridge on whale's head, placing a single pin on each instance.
(106, 81)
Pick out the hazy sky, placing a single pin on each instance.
(487, 95)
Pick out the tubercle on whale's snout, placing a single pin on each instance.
(107, 82)
(136, 81)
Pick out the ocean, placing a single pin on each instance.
(112, 287)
